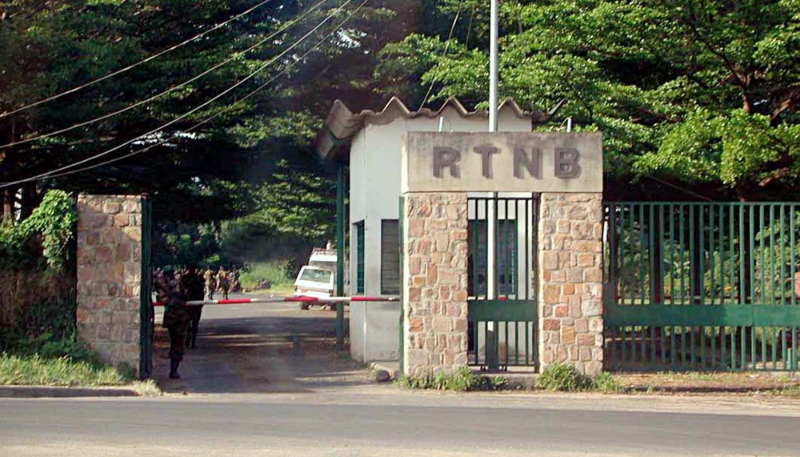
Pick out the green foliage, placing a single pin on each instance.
(182, 245)
(268, 274)
(461, 380)
(564, 378)
(703, 92)
(51, 225)
(606, 383)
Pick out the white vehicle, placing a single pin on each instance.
(314, 282)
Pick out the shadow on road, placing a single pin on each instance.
(289, 351)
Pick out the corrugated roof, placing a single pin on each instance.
(341, 123)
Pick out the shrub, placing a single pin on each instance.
(461, 380)
(562, 377)
(606, 383)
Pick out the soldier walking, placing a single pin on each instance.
(224, 282)
(211, 282)
(176, 320)
(192, 282)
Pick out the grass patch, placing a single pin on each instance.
(606, 383)
(461, 380)
(56, 361)
(147, 388)
(267, 275)
(62, 371)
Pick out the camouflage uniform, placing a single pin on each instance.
(192, 284)
(176, 321)
(211, 283)
(224, 282)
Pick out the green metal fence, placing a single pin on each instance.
(146, 312)
(501, 286)
(701, 286)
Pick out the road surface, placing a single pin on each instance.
(388, 421)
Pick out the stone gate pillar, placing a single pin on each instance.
(434, 282)
(571, 280)
(109, 276)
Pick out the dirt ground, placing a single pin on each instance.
(714, 383)
(260, 348)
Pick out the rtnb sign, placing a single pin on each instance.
(502, 162)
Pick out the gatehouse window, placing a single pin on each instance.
(390, 257)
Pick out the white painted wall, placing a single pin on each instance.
(374, 195)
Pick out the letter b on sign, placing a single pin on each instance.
(566, 162)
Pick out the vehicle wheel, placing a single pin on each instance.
(304, 306)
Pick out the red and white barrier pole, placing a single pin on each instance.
(303, 298)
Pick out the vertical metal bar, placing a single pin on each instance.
(742, 266)
(653, 346)
(733, 348)
(683, 348)
(783, 256)
(693, 287)
(693, 347)
(722, 255)
(671, 219)
(764, 348)
(622, 271)
(743, 348)
(526, 235)
(493, 33)
(723, 342)
(731, 258)
(793, 266)
(702, 246)
(681, 263)
(713, 355)
(753, 296)
(672, 347)
(702, 346)
(623, 345)
(772, 259)
(660, 259)
(774, 340)
(711, 268)
(791, 253)
(764, 298)
(340, 220)
(612, 247)
(516, 341)
(642, 235)
(651, 258)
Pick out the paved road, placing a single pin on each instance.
(393, 423)
(253, 348)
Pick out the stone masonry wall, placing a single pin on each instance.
(109, 276)
(570, 260)
(435, 282)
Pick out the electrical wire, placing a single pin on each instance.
(171, 89)
(132, 66)
(186, 114)
(210, 118)
(444, 53)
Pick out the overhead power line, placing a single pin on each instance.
(132, 66)
(171, 89)
(186, 114)
(210, 118)
(444, 53)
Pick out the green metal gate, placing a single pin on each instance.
(501, 282)
(701, 286)
(146, 304)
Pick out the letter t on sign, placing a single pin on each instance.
(486, 153)
(567, 163)
(446, 157)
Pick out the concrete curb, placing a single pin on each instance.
(64, 392)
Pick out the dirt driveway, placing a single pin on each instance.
(258, 348)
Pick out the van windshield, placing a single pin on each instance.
(315, 275)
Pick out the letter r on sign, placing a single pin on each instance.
(444, 157)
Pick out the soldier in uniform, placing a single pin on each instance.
(192, 283)
(224, 282)
(211, 282)
(176, 320)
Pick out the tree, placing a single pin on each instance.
(696, 91)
